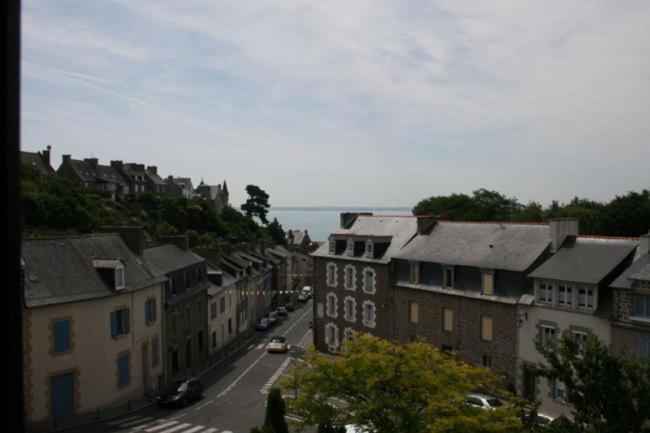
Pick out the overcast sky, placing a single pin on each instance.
(351, 103)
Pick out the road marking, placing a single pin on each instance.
(149, 424)
(178, 427)
(128, 424)
(232, 385)
(177, 416)
(296, 322)
(195, 429)
(124, 420)
(160, 427)
(275, 376)
(204, 405)
(211, 430)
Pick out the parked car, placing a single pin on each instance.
(303, 297)
(277, 345)
(540, 419)
(282, 311)
(308, 291)
(273, 318)
(289, 306)
(263, 324)
(483, 401)
(180, 392)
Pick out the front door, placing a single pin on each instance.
(528, 390)
(63, 394)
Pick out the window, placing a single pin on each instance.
(369, 280)
(547, 335)
(150, 311)
(413, 312)
(545, 293)
(222, 303)
(448, 320)
(214, 339)
(331, 275)
(560, 390)
(61, 336)
(369, 314)
(350, 277)
(332, 246)
(119, 278)
(348, 334)
(585, 298)
(641, 305)
(350, 248)
(213, 310)
(120, 322)
(415, 273)
(331, 305)
(581, 338)
(486, 328)
(486, 361)
(565, 295)
(229, 326)
(155, 351)
(331, 335)
(488, 284)
(448, 277)
(199, 275)
(369, 249)
(350, 309)
(199, 340)
(123, 370)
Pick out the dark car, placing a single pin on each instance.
(180, 392)
(263, 324)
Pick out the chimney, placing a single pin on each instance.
(644, 244)
(560, 229)
(46, 155)
(117, 165)
(133, 236)
(181, 241)
(348, 218)
(92, 161)
(153, 169)
(425, 223)
(66, 158)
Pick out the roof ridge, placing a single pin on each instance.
(521, 223)
(603, 237)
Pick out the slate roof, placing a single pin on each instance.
(155, 178)
(60, 270)
(170, 258)
(132, 168)
(624, 280)
(109, 174)
(84, 170)
(211, 192)
(643, 274)
(399, 228)
(504, 246)
(36, 159)
(227, 278)
(585, 260)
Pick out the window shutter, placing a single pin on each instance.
(61, 336)
(114, 325)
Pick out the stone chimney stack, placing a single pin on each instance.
(46, 155)
(66, 158)
(92, 161)
(425, 223)
(644, 244)
(117, 165)
(153, 169)
(560, 229)
(133, 236)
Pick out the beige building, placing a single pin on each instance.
(222, 309)
(92, 324)
(571, 294)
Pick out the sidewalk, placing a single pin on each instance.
(133, 406)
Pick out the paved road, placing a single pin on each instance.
(235, 392)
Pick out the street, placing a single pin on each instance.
(235, 391)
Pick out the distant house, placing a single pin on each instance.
(571, 294)
(134, 174)
(101, 178)
(298, 239)
(39, 160)
(91, 324)
(186, 305)
(216, 196)
(181, 187)
(155, 184)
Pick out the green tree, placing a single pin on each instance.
(275, 412)
(609, 392)
(396, 388)
(257, 204)
(276, 232)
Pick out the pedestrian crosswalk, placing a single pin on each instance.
(269, 383)
(149, 425)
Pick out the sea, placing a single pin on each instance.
(322, 221)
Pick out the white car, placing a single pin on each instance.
(486, 402)
(351, 428)
(277, 345)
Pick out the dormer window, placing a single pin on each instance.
(488, 283)
(369, 249)
(332, 246)
(350, 249)
(448, 277)
(119, 278)
(112, 272)
(415, 273)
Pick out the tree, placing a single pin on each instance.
(609, 391)
(275, 412)
(257, 204)
(276, 232)
(396, 388)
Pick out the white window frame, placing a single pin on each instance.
(373, 280)
(369, 322)
(120, 277)
(588, 297)
(331, 271)
(348, 334)
(349, 248)
(543, 333)
(582, 342)
(490, 276)
(350, 270)
(370, 249)
(332, 299)
(332, 245)
(414, 273)
(567, 289)
(547, 291)
(350, 316)
(332, 343)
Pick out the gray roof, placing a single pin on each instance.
(109, 174)
(60, 270)
(36, 159)
(643, 274)
(84, 170)
(624, 280)
(228, 278)
(505, 246)
(297, 237)
(399, 228)
(154, 177)
(585, 259)
(170, 258)
(133, 168)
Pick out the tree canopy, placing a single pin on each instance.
(627, 215)
(257, 204)
(396, 388)
(609, 391)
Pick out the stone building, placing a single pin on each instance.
(134, 174)
(571, 294)
(216, 196)
(185, 305)
(104, 179)
(352, 291)
(92, 324)
(40, 160)
(298, 240)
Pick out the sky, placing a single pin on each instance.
(340, 103)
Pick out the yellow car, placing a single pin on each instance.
(277, 345)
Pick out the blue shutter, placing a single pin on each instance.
(127, 321)
(123, 366)
(61, 336)
(114, 325)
